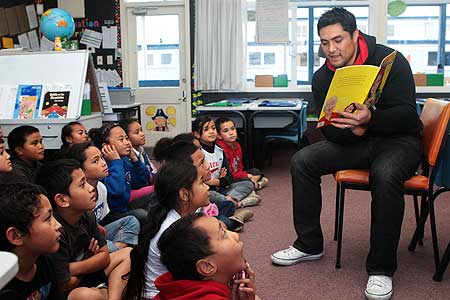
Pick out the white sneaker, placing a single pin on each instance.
(291, 256)
(379, 287)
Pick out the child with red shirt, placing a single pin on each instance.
(227, 140)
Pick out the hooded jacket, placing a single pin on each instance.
(233, 155)
(170, 289)
(395, 112)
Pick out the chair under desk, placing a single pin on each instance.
(275, 114)
(254, 116)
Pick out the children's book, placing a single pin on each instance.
(55, 104)
(27, 101)
(354, 84)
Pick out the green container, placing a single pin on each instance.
(435, 79)
(86, 107)
(280, 81)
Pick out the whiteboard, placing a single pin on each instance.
(56, 67)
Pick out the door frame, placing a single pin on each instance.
(129, 57)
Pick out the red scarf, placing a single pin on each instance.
(362, 56)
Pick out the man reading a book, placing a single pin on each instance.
(386, 140)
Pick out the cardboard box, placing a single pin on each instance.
(420, 79)
(263, 80)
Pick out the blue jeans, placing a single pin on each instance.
(124, 230)
(238, 190)
(391, 161)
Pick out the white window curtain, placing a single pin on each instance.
(220, 44)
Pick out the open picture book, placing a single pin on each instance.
(354, 84)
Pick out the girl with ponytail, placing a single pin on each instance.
(180, 191)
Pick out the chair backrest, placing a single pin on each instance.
(435, 116)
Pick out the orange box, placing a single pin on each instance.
(420, 79)
(263, 80)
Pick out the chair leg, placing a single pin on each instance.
(442, 265)
(417, 215)
(433, 231)
(336, 211)
(340, 226)
(418, 233)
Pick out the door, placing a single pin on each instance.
(158, 68)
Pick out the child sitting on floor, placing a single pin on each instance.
(185, 147)
(137, 138)
(127, 172)
(82, 259)
(73, 133)
(227, 139)
(212, 265)
(134, 131)
(27, 151)
(5, 162)
(122, 232)
(180, 190)
(237, 191)
(29, 230)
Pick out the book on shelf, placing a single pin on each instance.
(354, 84)
(55, 104)
(27, 101)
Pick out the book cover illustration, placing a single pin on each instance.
(27, 101)
(354, 84)
(55, 105)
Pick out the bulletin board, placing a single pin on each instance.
(18, 24)
(99, 19)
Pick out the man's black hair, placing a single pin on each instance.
(338, 15)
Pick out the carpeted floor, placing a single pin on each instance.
(272, 230)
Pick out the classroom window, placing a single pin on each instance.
(158, 62)
(150, 59)
(269, 58)
(166, 59)
(302, 59)
(416, 35)
(278, 58)
(432, 58)
(254, 58)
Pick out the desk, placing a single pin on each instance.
(250, 117)
(8, 267)
(273, 117)
(124, 111)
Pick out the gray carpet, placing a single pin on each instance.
(272, 230)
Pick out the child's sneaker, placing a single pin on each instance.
(242, 215)
(263, 183)
(250, 200)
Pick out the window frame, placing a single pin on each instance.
(377, 25)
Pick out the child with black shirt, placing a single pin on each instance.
(73, 133)
(29, 230)
(27, 150)
(82, 259)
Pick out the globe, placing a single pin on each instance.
(57, 22)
